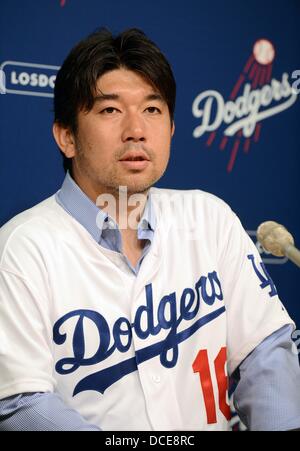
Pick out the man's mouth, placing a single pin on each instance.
(135, 160)
(135, 155)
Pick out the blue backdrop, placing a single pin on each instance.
(210, 46)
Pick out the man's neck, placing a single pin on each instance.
(126, 209)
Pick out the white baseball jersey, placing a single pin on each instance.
(145, 352)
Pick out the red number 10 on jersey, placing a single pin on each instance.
(201, 366)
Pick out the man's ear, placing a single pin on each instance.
(64, 139)
(173, 129)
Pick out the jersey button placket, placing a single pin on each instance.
(156, 378)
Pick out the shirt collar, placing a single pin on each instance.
(91, 217)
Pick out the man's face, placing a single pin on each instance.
(125, 139)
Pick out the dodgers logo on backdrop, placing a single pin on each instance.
(256, 96)
(29, 78)
(173, 310)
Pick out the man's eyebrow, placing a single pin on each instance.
(155, 96)
(103, 97)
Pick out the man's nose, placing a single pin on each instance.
(134, 128)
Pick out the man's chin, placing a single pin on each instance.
(134, 188)
(135, 185)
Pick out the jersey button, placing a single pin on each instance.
(156, 379)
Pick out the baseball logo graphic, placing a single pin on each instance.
(264, 51)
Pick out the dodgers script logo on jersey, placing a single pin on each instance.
(171, 313)
(207, 289)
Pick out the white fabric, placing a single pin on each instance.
(50, 266)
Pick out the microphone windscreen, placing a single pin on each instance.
(274, 237)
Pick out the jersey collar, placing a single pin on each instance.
(92, 218)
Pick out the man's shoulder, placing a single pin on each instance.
(34, 214)
(193, 198)
(31, 223)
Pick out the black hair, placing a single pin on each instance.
(101, 52)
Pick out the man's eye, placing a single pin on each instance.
(109, 110)
(153, 109)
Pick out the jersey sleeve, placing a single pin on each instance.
(254, 310)
(26, 360)
(40, 412)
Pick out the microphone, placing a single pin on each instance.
(278, 241)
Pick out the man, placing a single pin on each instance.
(123, 306)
